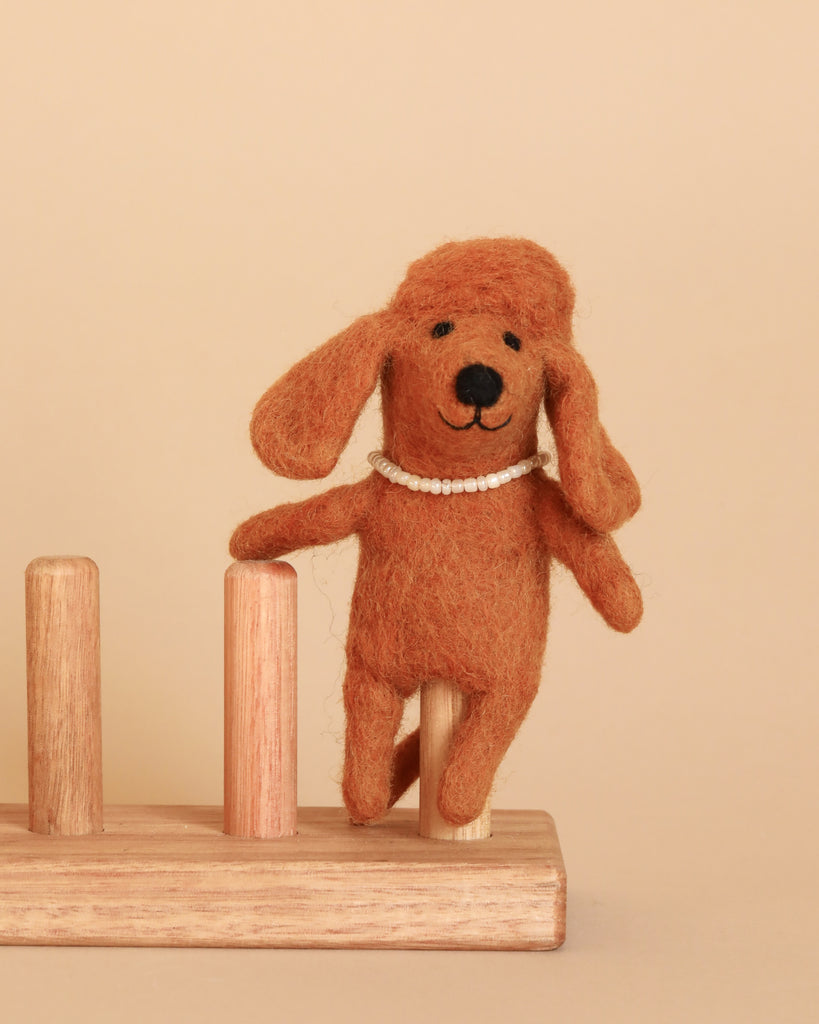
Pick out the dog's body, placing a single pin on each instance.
(451, 586)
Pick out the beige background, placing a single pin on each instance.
(193, 195)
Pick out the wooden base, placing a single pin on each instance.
(168, 876)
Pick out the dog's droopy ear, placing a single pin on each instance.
(596, 479)
(301, 425)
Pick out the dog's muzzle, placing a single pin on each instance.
(479, 386)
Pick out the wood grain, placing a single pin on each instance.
(260, 700)
(442, 709)
(168, 876)
(64, 717)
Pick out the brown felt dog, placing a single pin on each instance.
(451, 586)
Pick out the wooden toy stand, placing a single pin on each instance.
(258, 871)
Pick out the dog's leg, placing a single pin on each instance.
(489, 726)
(374, 710)
(406, 765)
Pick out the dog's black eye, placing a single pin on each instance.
(512, 340)
(442, 328)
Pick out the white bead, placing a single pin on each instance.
(393, 473)
(492, 481)
(505, 476)
(516, 471)
(457, 486)
(414, 482)
(481, 481)
(403, 478)
(446, 487)
(425, 485)
(470, 485)
(435, 486)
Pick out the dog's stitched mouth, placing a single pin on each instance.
(475, 422)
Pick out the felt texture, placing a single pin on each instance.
(451, 587)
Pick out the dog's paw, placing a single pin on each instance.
(365, 803)
(257, 538)
(625, 607)
(242, 546)
(458, 803)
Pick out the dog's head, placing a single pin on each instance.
(477, 336)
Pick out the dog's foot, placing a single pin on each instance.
(459, 803)
(365, 802)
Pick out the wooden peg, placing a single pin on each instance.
(442, 709)
(64, 717)
(260, 700)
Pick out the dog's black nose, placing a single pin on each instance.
(478, 385)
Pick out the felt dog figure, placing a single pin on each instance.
(457, 524)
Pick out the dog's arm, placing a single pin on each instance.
(303, 524)
(593, 557)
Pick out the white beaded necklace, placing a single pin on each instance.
(381, 464)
